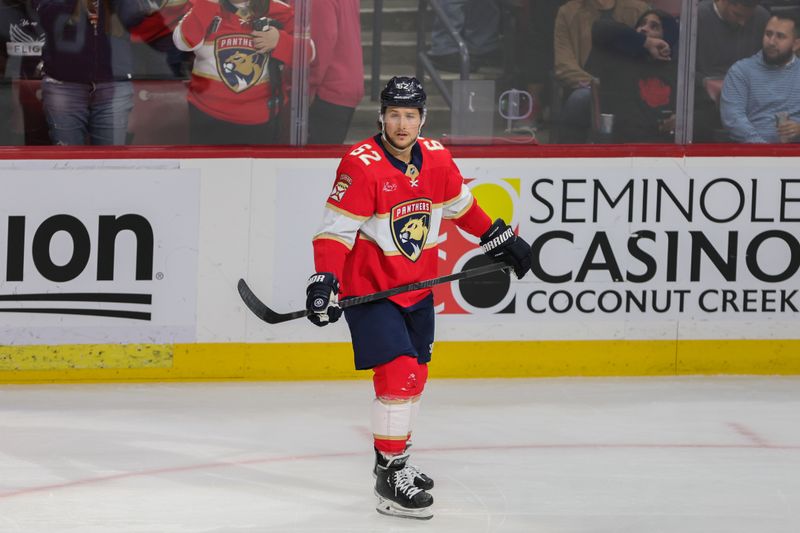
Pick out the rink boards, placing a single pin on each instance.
(645, 263)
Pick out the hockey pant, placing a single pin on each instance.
(398, 388)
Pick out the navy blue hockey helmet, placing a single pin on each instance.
(403, 91)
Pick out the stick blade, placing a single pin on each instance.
(261, 310)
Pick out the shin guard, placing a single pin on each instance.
(398, 385)
(390, 424)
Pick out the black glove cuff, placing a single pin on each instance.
(325, 279)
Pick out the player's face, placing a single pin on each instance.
(401, 125)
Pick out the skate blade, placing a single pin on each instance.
(390, 508)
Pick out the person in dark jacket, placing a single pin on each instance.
(637, 71)
(87, 89)
(727, 31)
(21, 41)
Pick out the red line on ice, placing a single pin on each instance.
(316, 456)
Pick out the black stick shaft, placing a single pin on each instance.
(478, 271)
(268, 315)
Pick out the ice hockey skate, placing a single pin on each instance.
(397, 495)
(421, 480)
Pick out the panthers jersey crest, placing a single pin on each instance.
(238, 63)
(410, 222)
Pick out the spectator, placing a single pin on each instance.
(637, 75)
(21, 41)
(760, 97)
(539, 64)
(573, 43)
(727, 31)
(238, 87)
(478, 24)
(337, 73)
(86, 88)
(156, 29)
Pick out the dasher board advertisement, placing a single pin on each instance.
(619, 245)
(641, 240)
(98, 255)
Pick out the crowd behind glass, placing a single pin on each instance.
(209, 72)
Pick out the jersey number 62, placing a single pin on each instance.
(366, 154)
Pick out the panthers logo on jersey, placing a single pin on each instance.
(238, 63)
(410, 222)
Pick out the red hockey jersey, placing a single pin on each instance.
(230, 79)
(381, 226)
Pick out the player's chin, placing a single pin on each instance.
(404, 141)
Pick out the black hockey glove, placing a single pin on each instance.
(322, 298)
(503, 246)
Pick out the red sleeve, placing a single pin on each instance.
(475, 221)
(350, 204)
(355, 194)
(160, 23)
(285, 15)
(197, 21)
(323, 32)
(284, 51)
(329, 256)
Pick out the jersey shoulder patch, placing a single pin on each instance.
(350, 175)
(340, 187)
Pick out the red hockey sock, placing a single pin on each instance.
(398, 385)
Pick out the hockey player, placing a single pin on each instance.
(380, 229)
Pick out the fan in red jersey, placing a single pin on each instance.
(380, 230)
(237, 87)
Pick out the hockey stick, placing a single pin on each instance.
(271, 317)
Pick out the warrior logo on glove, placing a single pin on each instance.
(322, 299)
(503, 246)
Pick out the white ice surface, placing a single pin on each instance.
(634, 455)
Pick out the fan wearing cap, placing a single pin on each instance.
(380, 229)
